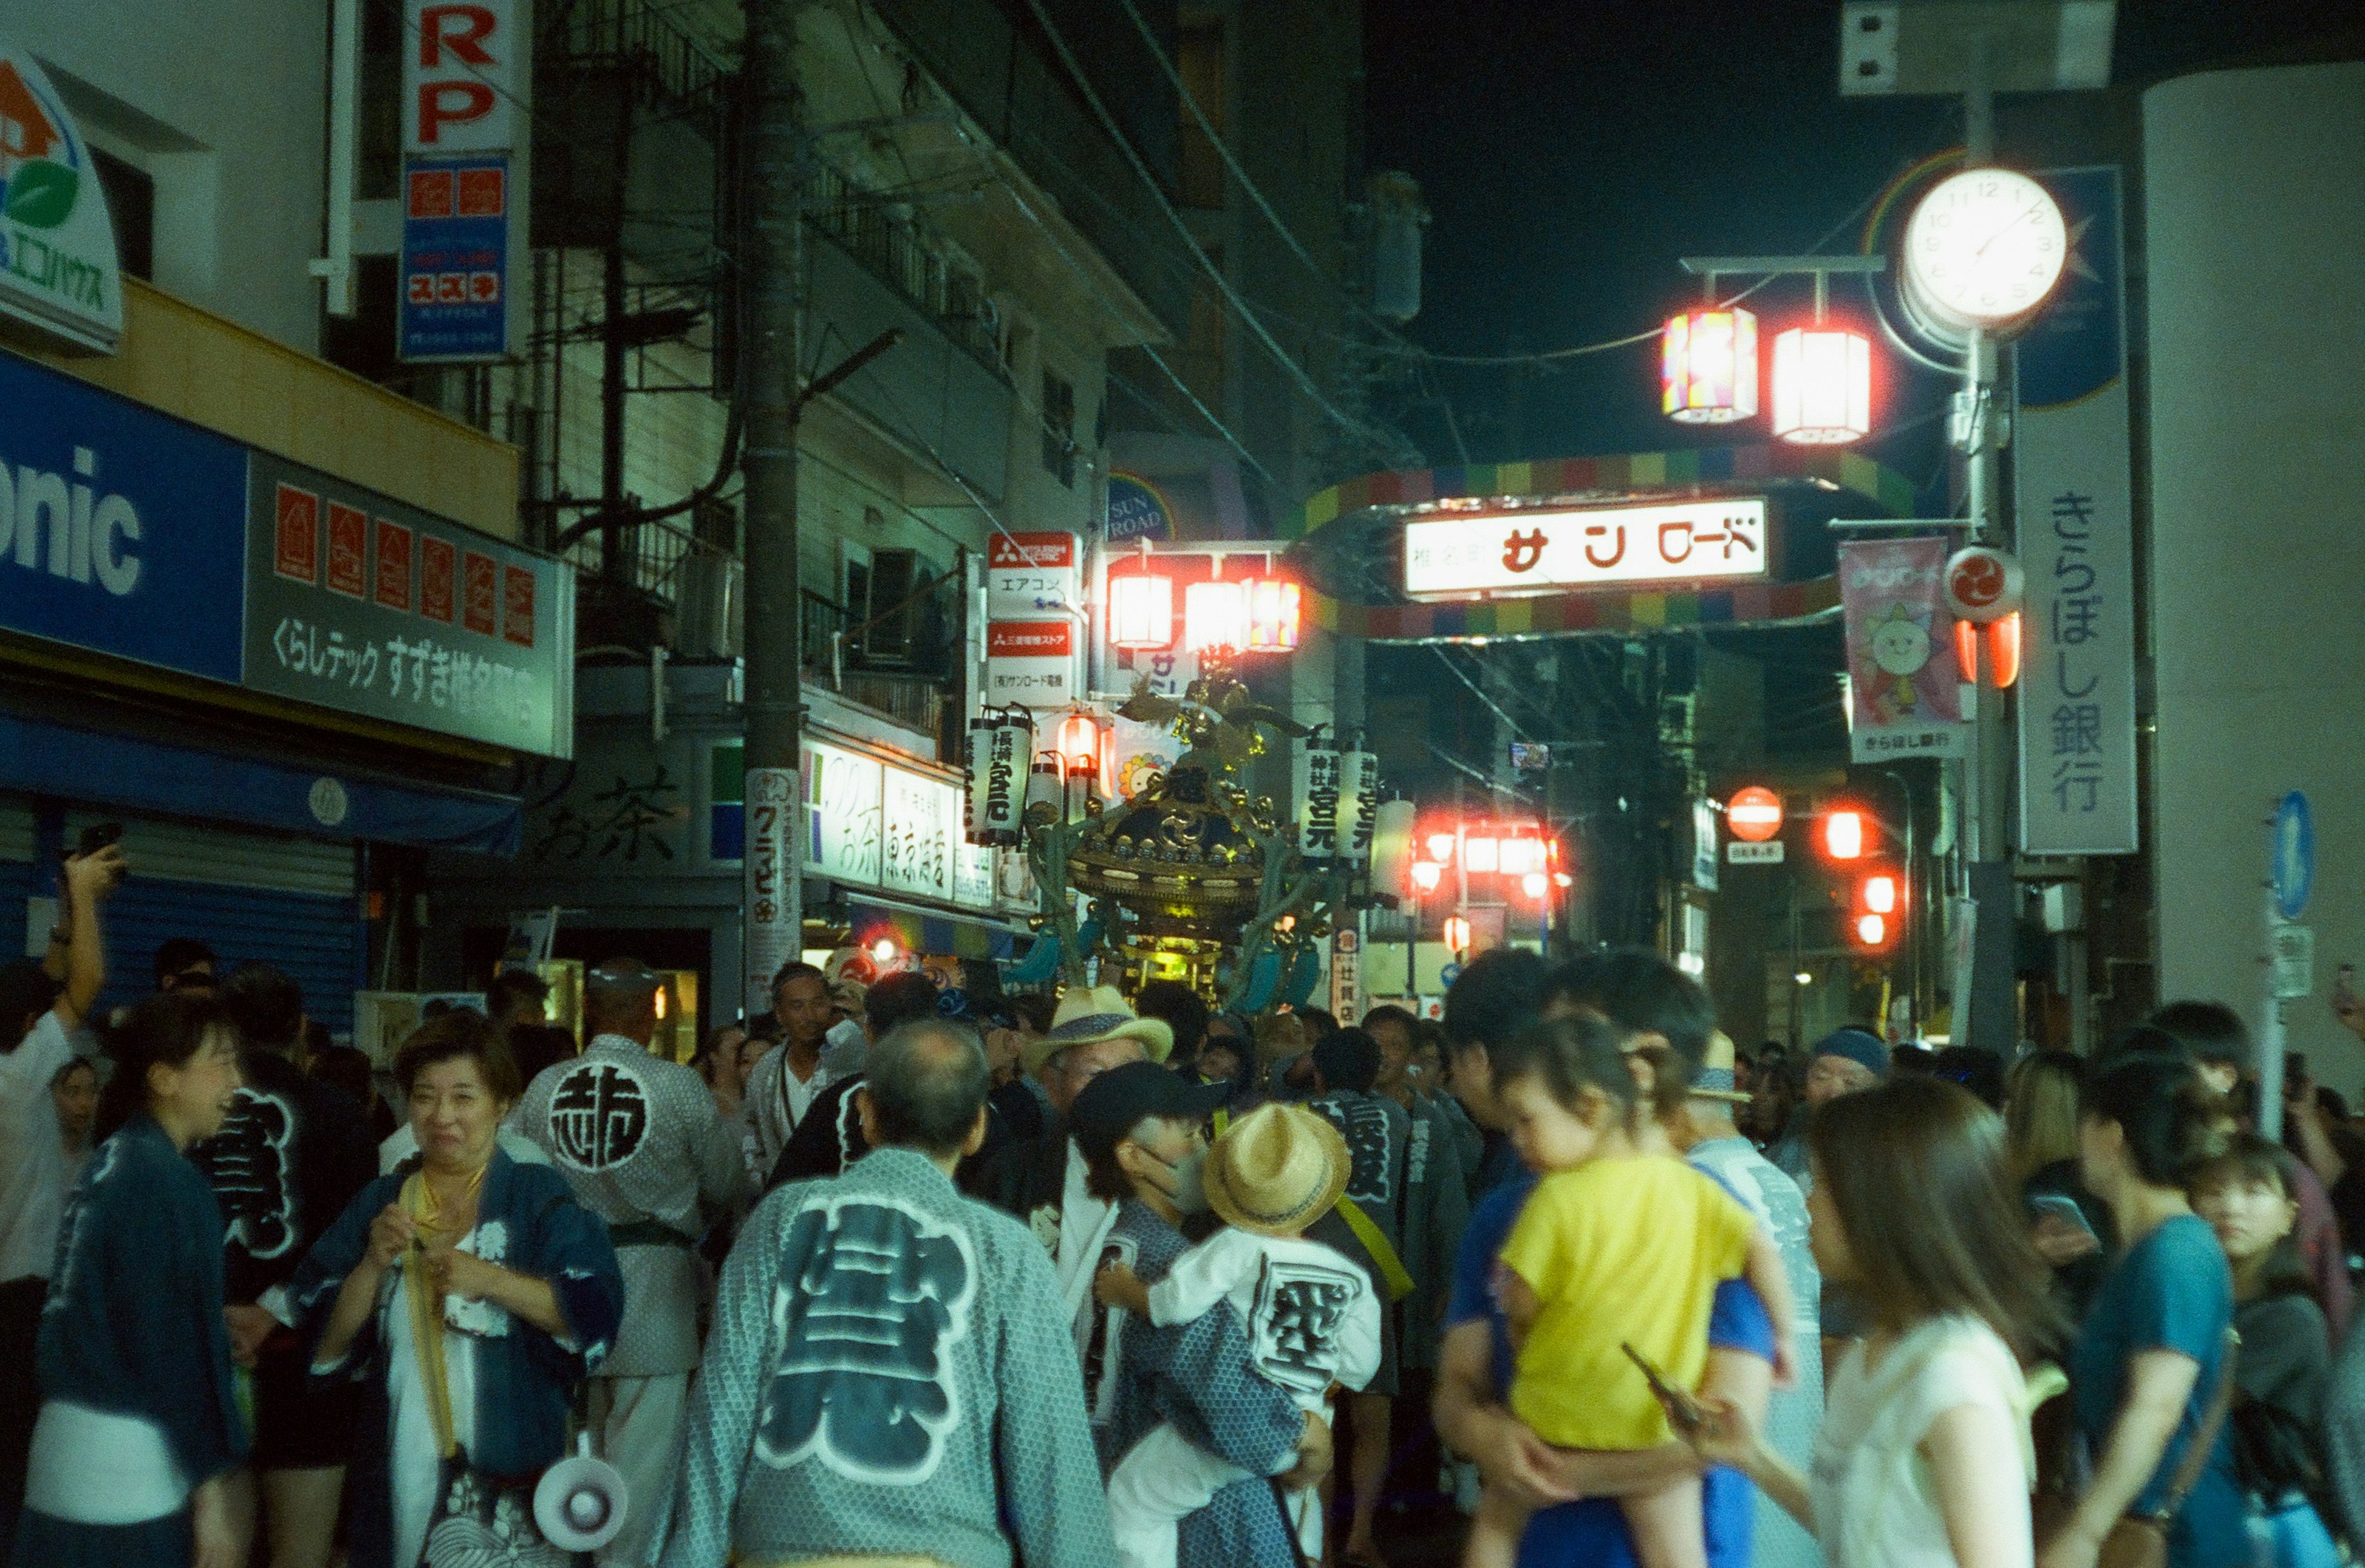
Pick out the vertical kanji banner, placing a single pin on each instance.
(2076, 508)
(1900, 651)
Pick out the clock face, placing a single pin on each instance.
(1985, 247)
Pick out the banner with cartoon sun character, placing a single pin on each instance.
(1901, 642)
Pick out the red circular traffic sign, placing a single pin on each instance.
(1983, 584)
(1755, 814)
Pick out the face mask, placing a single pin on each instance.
(1182, 1181)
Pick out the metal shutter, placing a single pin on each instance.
(253, 896)
(16, 875)
(318, 940)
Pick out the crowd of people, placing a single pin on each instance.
(899, 1275)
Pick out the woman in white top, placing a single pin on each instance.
(1925, 1459)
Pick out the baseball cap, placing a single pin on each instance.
(1116, 1101)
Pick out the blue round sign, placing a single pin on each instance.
(2293, 855)
(1449, 974)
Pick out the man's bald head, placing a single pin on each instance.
(926, 1083)
(620, 997)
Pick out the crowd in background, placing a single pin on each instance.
(901, 1273)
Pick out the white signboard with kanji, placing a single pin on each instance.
(1551, 552)
(2071, 457)
(1030, 663)
(1029, 574)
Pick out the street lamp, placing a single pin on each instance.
(1823, 385)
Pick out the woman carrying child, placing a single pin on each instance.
(1612, 1266)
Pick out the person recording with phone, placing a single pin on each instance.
(45, 1006)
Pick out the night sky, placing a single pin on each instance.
(1572, 149)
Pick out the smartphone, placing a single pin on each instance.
(1681, 1406)
(2065, 1209)
(98, 835)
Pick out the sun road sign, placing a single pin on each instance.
(1507, 554)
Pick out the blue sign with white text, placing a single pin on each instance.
(456, 258)
(2077, 345)
(122, 530)
(2292, 858)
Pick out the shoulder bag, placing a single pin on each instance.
(2140, 1540)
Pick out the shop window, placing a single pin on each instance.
(1199, 59)
(1060, 428)
(132, 202)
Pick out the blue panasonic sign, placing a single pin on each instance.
(122, 530)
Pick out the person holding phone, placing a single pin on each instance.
(1925, 1459)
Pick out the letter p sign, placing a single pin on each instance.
(463, 74)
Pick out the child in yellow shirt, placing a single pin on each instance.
(1614, 1248)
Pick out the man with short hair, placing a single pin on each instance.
(640, 1140)
(829, 1139)
(890, 1376)
(1842, 1063)
(1043, 1181)
(1432, 1208)
(291, 1154)
(1367, 1226)
(1706, 1136)
(517, 995)
(44, 1007)
(1184, 1012)
(1500, 992)
(185, 963)
(787, 1079)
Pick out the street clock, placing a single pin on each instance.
(1983, 249)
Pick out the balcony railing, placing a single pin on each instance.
(898, 254)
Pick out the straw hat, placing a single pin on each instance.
(1089, 1014)
(1276, 1171)
(1715, 1080)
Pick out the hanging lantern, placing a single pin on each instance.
(1457, 933)
(1426, 874)
(1215, 617)
(1707, 366)
(1141, 612)
(2004, 651)
(1000, 742)
(1325, 812)
(1359, 805)
(1080, 744)
(1272, 615)
(1440, 846)
(1823, 385)
(1535, 884)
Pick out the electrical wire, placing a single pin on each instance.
(1297, 373)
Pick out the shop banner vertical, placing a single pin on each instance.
(1900, 654)
(466, 77)
(775, 902)
(2072, 457)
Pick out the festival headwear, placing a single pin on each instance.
(1858, 1046)
(1115, 1101)
(1089, 1014)
(1714, 1081)
(1276, 1171)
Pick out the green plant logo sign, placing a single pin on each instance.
(57, 270)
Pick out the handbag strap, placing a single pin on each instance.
(2205, 1437)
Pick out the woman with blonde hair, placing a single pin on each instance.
(2040, 1116)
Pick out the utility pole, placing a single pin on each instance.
(771, 280)
(772, 285)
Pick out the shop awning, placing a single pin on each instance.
(933, 931)
(142, 775)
